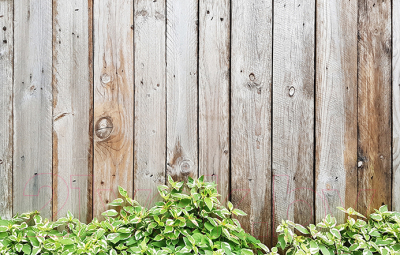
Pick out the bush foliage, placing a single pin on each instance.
(189, 220)
(377, 235)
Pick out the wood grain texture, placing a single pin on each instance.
(150, 99)
(72, 105)
(32, 159)
(336, 108)
(396, 104)
(113, 100)
(374, 105)
(182, 92)
(251, 48)
(293, 112)
(214, 78)
(6, 95)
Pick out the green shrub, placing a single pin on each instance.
(189, 220)
(378, 235)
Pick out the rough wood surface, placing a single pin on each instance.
(396, 104)
(6, 119)
(374, 105)
(336, 108)
(293, 112)
(72, 104)
(251, 47)
(214, 78)
(182, 138)
(32, 159)
(150, 99)
(113, 100)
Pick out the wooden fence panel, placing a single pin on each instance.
(32, 158)
(336, 108)
(374, 105)
(251, 113)
(293, 112)
(214, 79)
(6, 96)
(182, 88)
(72, 113)
(113, 100)
(150, 99)
(396, 104)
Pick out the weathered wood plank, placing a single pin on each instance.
(293, 111)
(32, 107)
(336, 108)
(214, 78)
(182, 142)
(72, 105)
(396, 104)
(150, 99)
(251, 60)
(113, 100)
(6, 119)
(374, 105)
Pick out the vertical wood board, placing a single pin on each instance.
(251, 60)
(293, 112)
(6, 97)
(113, 101)
(336, 108)
(72, 105)
(182, 88)
(214, 79)
(32, 107)
(374, 105)
(150, 100)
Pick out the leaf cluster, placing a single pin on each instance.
(377, 235)
(190, 219)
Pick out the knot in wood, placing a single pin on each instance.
(252, 77)
(104, 127)
(185, 167)
(291, 91)
(105, 78)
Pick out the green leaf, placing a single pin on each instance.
(376, 217)
(216, 232)
(117, 202)
(122, 191)
(324, 250)
(209, 203)
(239, 212)
(301, 229)
(246, 252)
(230, 206)
(110, 213)
(170, 180)
(26, 249)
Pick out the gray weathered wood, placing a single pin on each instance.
(113, 100)
(214, 64)
(72, 104)
(336, 108)
(374, 105)
(32, 159)
(396, 104)
(150, 100)
(251, 61)
(293, 111)
(182, 143)
(6, 119)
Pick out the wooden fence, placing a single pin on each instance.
(292, 107)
